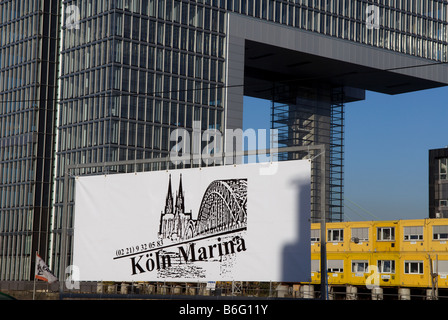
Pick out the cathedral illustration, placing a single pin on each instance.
(175, 223)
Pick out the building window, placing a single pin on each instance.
(335, 235)
(443, 203)
(360, 234)
(413, 233)
(360, 266)
(413, 267)
(386, 234)
(441, 266)
(386, 266)
(442, 168)
(335, 266)
(315, 235)
(440, 232)
(315, 265)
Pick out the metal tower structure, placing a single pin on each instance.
(307, 117)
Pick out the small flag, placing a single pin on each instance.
(42, 271)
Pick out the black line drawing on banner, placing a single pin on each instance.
(223, 208)
(213, 237)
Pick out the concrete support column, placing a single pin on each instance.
(162, 289)
(377, 293)
(404, 294)
(306, 291)
(191, 289)
(351, 293)
(429, 295)
(331, 295)
(150, 289)
(202, 289)
(124, 288)
(282, 290)
(111, 289)
(177, 290)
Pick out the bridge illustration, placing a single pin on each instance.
(223, 209)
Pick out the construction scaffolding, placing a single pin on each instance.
(310, 117)
(336, 157)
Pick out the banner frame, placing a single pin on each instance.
(194, 157)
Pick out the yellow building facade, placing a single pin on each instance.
(397, 253)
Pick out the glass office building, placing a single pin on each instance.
(28, 76)
(438, 183)
(133, 71)
(136, 70)
(131, 74)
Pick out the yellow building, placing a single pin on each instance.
(395, 253)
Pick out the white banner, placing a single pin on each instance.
(203, 224)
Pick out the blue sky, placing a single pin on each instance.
(387, 139)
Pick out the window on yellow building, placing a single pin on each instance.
(360, 266)
(386, 266)
(386, 234)
(335, 266)
(413, 233)
(315, 235)
(360, 234)
(440, 232)
(315, 265)
(441, 266)
(335, 235)
(413, 267)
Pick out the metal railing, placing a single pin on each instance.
(218, 290)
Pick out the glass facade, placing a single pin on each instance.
(441, 196)
(130, 75)
(438, 183)
(28, 75)
(133, 72)
(136, 70)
